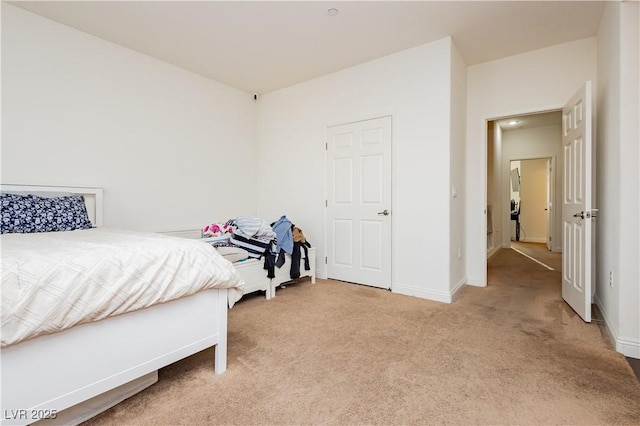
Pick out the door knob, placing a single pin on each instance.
(385, 212)
(580, 215)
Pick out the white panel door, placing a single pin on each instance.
(359, 202)
(577, 220)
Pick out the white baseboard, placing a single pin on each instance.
(534, 240)
(493, 251)
(436, 295)
(458, 287)
(626, 346)
(476, 281)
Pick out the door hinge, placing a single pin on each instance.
(326, 146)
(326, 203)
(325, 260)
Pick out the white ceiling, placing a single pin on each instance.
(260, 46)
(551, 118)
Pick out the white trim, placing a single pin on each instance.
(456, 288)
(436, 295)
(476, 281)
(629, 347)
(322, 263)
(534, 240)
(609, 326)
(483, 182)
(493, 251)
(505, 196)
(625, 345)
(96, 193)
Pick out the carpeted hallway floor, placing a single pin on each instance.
(338, 353)
(540, 253)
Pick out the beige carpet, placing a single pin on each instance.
(539, 252)
(338, 353)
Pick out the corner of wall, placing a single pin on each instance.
(457, 169)
(429, 294)
(627, 346)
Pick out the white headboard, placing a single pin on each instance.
(93, 197)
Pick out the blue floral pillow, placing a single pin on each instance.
(30, 213)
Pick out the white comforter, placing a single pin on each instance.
(53, 281)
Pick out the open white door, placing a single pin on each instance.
(577, 211)
(359, 202)
(549, 209)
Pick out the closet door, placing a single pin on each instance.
(359, 202)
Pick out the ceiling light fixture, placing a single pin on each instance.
(332, 12)
(513, 122)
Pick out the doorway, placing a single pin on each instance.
(536, 137)
(574, 197)
(531, 194)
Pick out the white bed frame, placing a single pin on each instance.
(255, 276)
(283, 274)
(80, 372)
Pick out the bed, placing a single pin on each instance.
(69, 373)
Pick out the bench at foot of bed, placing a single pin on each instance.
(255, 276)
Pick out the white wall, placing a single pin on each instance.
(495, 185)
(457, 205)
(532, 143)
(628, 341)
(618, 178)
(413, 87)
(607, 165)
(540, 80)
(161, 141)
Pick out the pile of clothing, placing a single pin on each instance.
(261, 239)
